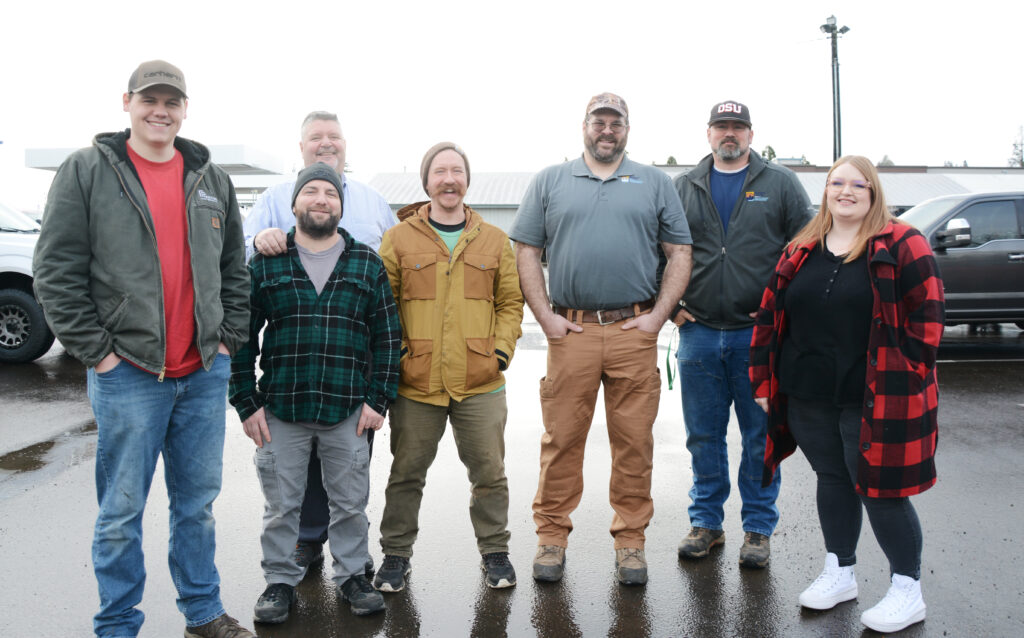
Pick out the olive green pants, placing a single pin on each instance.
(478, 425)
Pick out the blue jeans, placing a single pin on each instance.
(139, 419)
(712, 375)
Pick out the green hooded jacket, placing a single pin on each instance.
(96, 267)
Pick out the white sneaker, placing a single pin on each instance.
(835, 585)
(902, 606)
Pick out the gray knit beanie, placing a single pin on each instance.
(432, 153)
(318, 170)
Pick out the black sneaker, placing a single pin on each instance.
(308, 554)
(361, 595)
(274, 604)
(391, 575)
(499, 570)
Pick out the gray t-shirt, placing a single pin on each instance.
(319, 266)
(601, 236)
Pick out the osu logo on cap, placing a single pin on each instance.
(730, 107)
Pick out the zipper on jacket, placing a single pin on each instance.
(152, 234)
(195, 296)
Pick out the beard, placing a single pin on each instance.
(730, 153)
(317, 229)
(610, 156)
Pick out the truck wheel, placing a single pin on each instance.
(24, 335)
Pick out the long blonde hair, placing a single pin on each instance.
(877, 218)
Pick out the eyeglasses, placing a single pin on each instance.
(856, 185)
(600, 125)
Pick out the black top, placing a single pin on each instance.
(824, 348)
(448, 228)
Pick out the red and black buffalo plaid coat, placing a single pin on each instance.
(898, 428)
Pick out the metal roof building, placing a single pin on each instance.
(495, 196)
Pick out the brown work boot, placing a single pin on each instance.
(699, 542)
(755, 551)
(549, 563)
(222, 626)
(631, 566)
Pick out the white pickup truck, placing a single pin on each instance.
(24, 335)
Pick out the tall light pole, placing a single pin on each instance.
(830, 28)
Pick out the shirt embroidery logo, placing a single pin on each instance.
(630, 179)
(215, 222)
(206, 197)
(753, 196)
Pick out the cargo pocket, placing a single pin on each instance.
(266, 471)
(481, 362)
(415, 364)
(419, 276)
(480, 271)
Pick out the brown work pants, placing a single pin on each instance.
(625, 361)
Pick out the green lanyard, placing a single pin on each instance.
(669, 368)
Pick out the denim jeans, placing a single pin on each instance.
(139, 419)
(712, 375)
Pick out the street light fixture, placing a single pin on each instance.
(830, 28)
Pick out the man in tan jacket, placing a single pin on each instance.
(455, 282)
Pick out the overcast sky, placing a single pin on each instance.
(921, 83)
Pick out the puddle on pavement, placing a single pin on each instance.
(65, 450)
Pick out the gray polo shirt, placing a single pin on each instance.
(601, 236)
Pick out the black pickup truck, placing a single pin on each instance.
(978, 240)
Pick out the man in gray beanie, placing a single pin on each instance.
(330, 371)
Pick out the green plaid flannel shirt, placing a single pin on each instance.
(324, 355)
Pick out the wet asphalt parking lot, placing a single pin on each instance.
(973, 521)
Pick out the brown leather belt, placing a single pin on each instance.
(604, 317)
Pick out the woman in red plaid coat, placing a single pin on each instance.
(843, 361)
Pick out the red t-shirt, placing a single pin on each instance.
(164, 183)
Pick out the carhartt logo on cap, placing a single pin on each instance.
(157, 73)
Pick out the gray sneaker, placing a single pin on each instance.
(274, 604)
(755, 551)
(631, 566)
(361, 595)
(222, 626)
(549, 563)
(699, 542)
(392, 573)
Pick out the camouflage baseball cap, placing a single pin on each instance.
(608, 101)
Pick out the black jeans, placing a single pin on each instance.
(830, 439)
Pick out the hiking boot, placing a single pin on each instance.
(274, 604)
(222, 626)
(361, 595)
(755, 551)
(391, 575)
(631, 566)
(699, 542)
(834, 585)
(902, 606)
(499, 570)
(308, 554)
(549, 563)
(368, 570)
